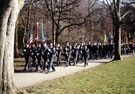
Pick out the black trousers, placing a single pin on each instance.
(85, 61)
(39, 62)
(34, 63)
(26, 63)
(45, 64)
(51, 64)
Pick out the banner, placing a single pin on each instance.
(42, 33)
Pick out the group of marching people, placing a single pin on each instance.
(127, 48)
(79, 52)
(38, 52)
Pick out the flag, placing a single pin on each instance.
(37, 32)
(110, 38)
(129, 35)
(31, 37)
(130, 38)
(105, 38)
(42, 33)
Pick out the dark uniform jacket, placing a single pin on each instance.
(75, 50)
(45, 52)
(58, 50)
(34, 52)
(26, 52)
(67, 50)
(39, 52)
(85, 52)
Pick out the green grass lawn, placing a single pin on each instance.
(117, 77)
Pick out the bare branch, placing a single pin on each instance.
(124, 15)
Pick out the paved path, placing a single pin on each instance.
(32, 78)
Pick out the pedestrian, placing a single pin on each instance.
(81, 52)
(45, 55)
(34, 56)
(39, 55)
(51, 57)
(85, 54)
(58, 53)
(75, 51)
(26, 55)
(67, 52)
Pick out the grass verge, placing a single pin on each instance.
(117, 77)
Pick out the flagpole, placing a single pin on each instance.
(42, 32)
(31, 36)
(37, 32)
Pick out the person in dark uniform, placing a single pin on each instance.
(75, 51)
(34, 56)
(90, 49)
(131, 48)
(45, 55)
(127, 48)
(122, 49)
(58, 53)
(39, 55)
(95, 49)
(51, 58)
(67, 51)
(100, 50)
(107, 50)
(85, 54)
(81, 52)
(26, 55)
(78, 57)
(111, 50)
(104, 50)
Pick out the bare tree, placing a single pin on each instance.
(65, 14)
(9, 10)
(25, 16)
(128, 23)
(114, 7)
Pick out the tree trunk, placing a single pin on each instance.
(56, 37)
(113, 20)
(16, 40)
(53, 32)
(117, 28)
(24, 38)
(117, 42)
(9, 10)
